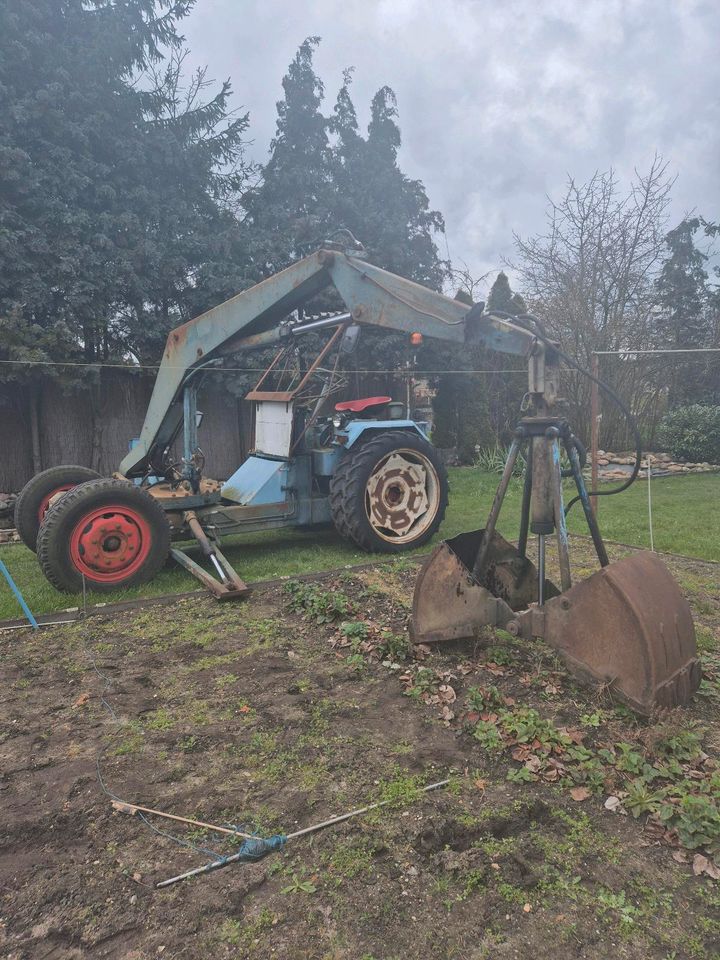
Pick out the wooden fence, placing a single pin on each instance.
(92, 426)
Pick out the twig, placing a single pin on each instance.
(133, 808)
(355, 813)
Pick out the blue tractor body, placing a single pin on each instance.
(265, 480)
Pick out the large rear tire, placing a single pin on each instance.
(389, 493)
(110, 533)
(39, 493)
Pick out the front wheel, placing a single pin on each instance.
(108, 533)
(389, 493)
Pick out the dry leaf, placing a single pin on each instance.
(527, 908)
(481, 785)
(447, 693)
(703, 864)
(679, 856)
(495, 669)
(82, 700)
(614, 805)
(580, 793)
(534, 764)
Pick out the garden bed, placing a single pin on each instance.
(305, 702)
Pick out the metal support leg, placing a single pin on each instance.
(587, 509)
(230, 585)
(541, 569)
(560, 528)
(525, 509)
(495, 509)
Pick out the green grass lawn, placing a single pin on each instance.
(685, 514)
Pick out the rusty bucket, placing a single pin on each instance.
(626, 628)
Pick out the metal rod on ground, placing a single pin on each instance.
(594, 429)
(217, 864)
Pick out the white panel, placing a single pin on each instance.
(273, 427)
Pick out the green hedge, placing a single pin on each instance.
(692, 433)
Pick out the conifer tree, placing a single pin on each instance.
(289, 213)
(112, 193)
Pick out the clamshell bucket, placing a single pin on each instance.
(627, 627)
(449, 604)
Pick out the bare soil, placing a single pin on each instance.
(258, 715)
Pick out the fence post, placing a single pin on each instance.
(594, 425)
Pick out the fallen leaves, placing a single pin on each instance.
(580, 793)
(704, 865)
(446, 693)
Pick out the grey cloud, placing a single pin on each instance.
(498, 102)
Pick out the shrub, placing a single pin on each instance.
(692, 433)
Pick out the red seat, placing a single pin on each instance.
(357, 406)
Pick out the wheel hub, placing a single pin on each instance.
(397, 494)
(110, 544)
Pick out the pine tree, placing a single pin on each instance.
(501, 297)
(682, 289)
(111, 193)
(685, 317)
(289, 213)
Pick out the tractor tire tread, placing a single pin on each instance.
(53, 538)
(27, 522)
(347, 491)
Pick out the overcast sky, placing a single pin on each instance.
(499, 100)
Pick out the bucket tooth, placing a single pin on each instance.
(628, 627)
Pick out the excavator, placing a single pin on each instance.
(372, 471)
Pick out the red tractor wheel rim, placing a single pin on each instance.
(45, 502)
(111, 543)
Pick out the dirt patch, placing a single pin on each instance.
(304, 703)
